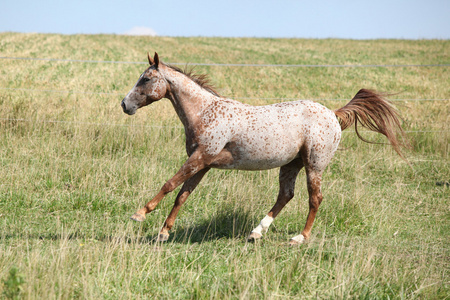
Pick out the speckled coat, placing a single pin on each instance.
(227, 134)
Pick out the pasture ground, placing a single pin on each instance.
(74, 168)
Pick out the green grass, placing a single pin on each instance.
(74, 168)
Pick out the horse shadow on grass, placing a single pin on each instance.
(225, 224)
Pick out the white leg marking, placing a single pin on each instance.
(263, 226)
(299, 239)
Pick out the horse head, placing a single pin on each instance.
(150, 87)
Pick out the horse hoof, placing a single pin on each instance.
(162, 237)
(137, 217)
(297, 240)
(293, 243)
(254, 236)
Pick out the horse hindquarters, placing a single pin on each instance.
(315, 155)
(316, 158)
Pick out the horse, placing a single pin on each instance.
(226, 134)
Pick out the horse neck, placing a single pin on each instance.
(187, 97)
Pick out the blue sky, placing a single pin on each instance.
(353, 19)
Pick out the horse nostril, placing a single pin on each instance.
(123, 106)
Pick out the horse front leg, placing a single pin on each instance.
(182, 196)
(191, 167)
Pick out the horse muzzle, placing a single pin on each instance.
(129, 110)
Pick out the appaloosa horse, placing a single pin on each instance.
(226, 134)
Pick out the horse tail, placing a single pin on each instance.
(373, 112)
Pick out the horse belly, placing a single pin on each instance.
(257, 164)
(263, 152)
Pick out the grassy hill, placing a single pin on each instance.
(74, 168)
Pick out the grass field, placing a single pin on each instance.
(74, 168)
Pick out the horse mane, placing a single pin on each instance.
(201, 79)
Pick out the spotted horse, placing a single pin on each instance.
(226, 134)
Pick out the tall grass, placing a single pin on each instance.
(74, 168)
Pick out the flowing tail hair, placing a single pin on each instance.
(372, 111)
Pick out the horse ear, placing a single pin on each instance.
(150, 59)
(156, 60)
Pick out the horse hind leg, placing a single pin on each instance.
(288, 175)
(315, 199)
(316, 156)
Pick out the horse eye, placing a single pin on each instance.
(146, 79)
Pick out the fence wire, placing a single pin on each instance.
(202, 64)
(237, 98)
(230, 64)
(162, 126)
(216, 64)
